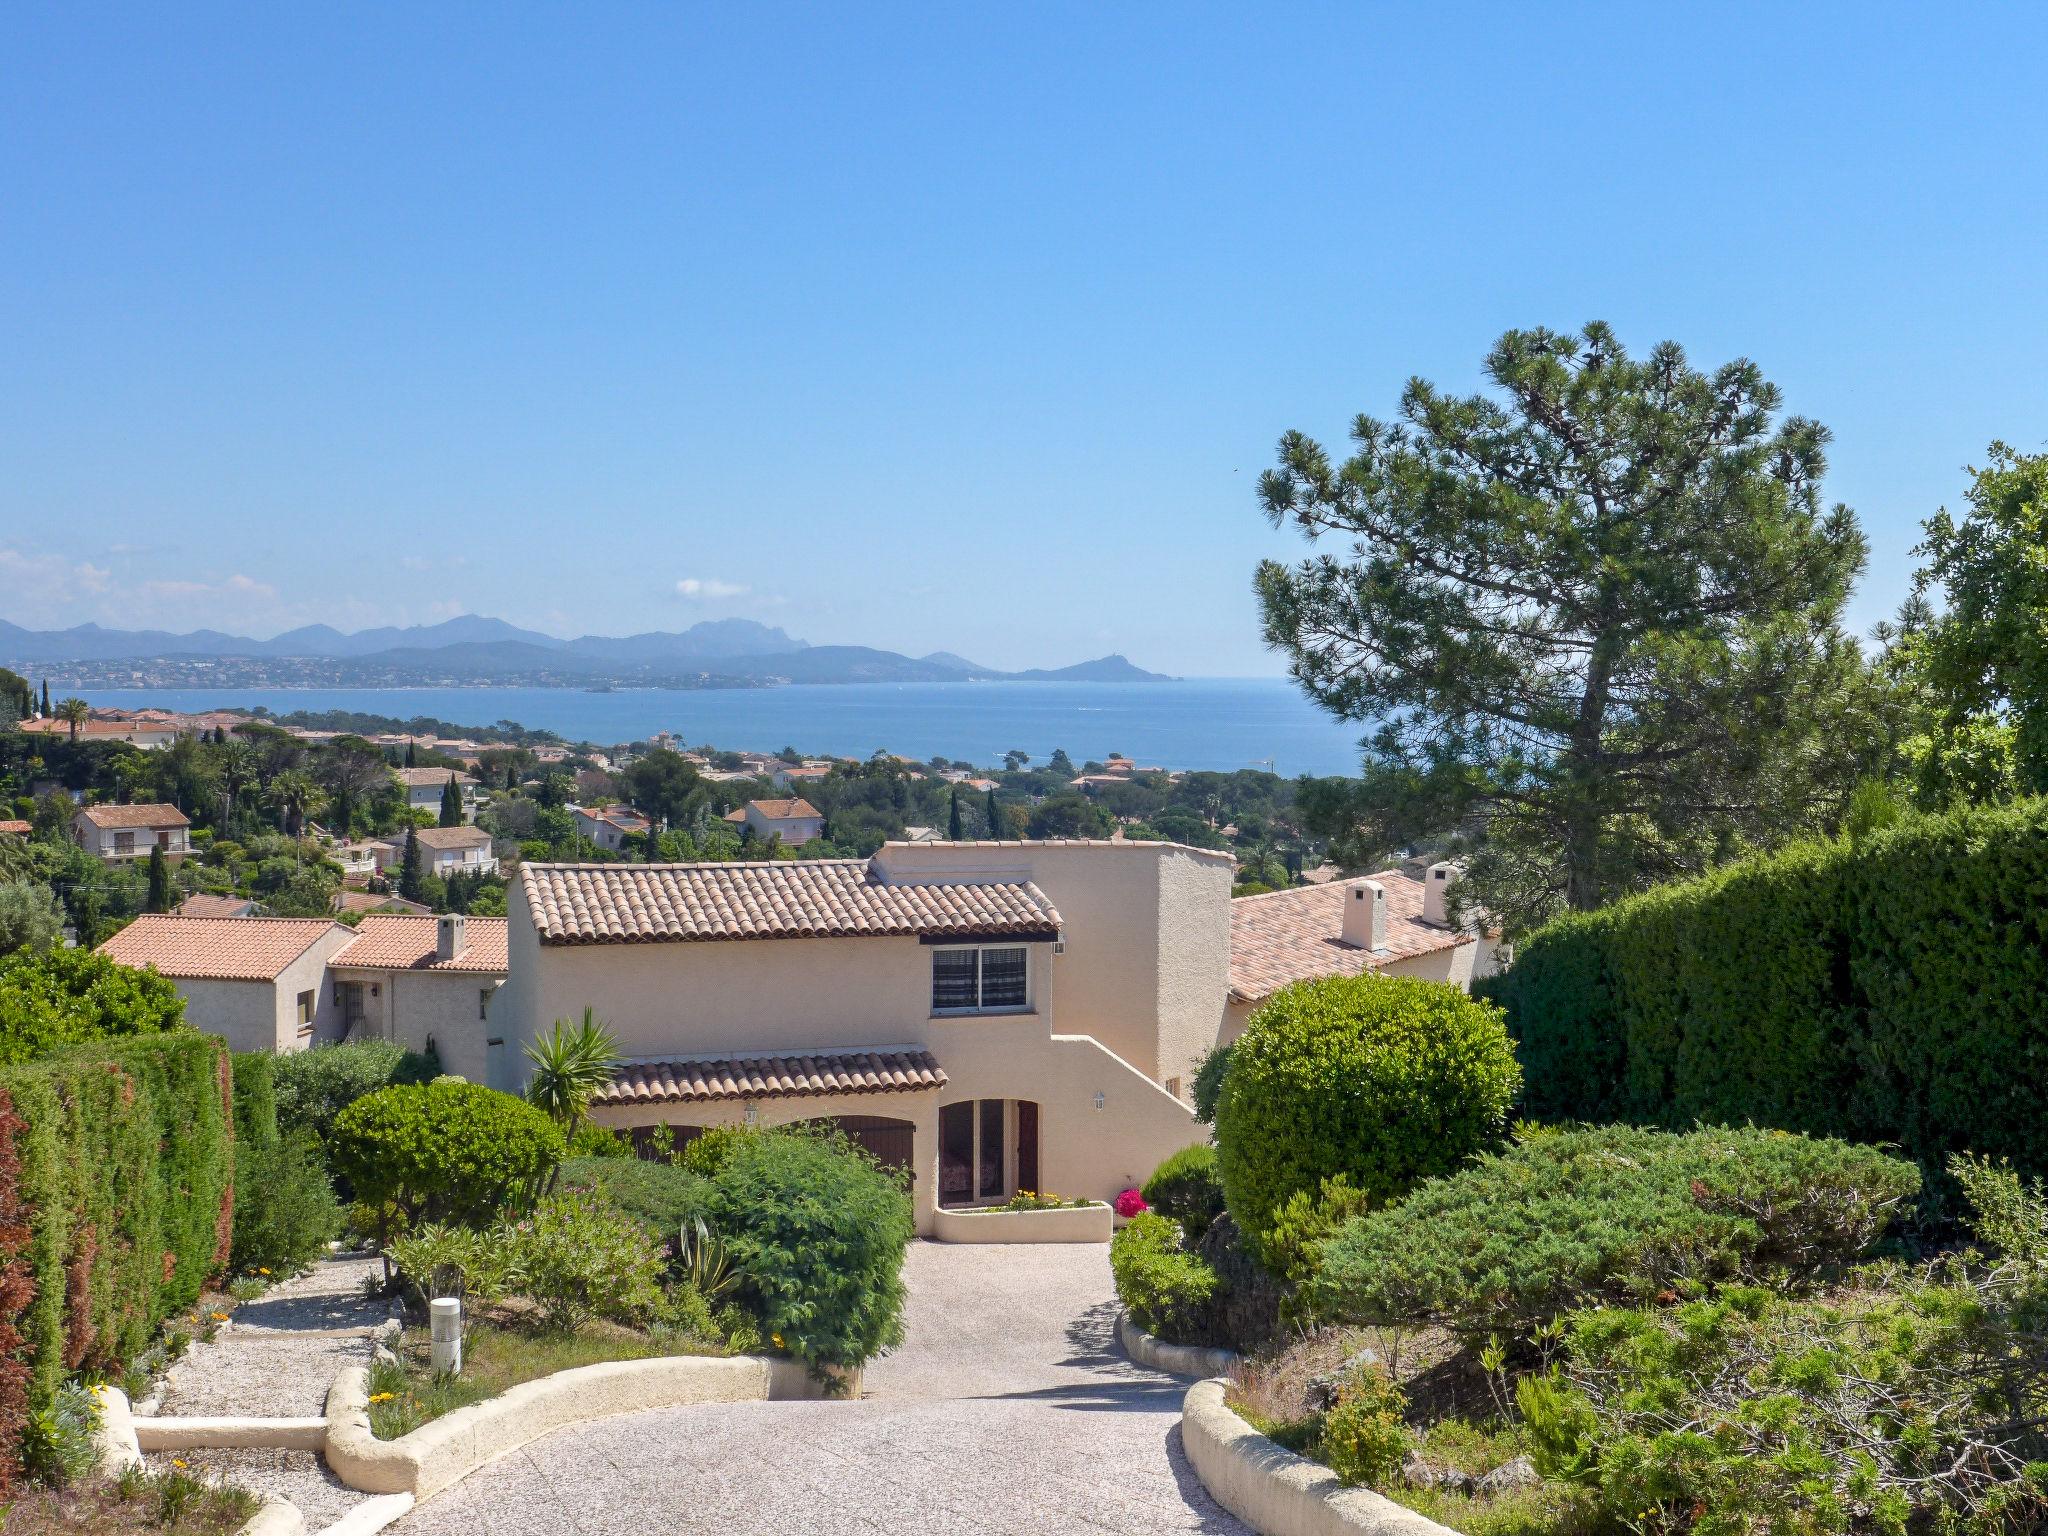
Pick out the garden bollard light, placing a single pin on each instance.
(446, 1312)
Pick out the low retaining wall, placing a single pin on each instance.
(1174, 1359)
(1274, 1491)
(1069, 1224)
(225, 1434)
(449, 1448)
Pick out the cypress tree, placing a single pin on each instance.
(410, 760)
(46, 698)
(451, 803)
(995, 820)
(953, 817)
(411, 882)
(159, 880)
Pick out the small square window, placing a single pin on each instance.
(305, 1010)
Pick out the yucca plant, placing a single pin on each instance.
(570, 1063)
(703, 1258)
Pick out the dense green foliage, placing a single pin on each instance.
(58, 997)
(1166, 1289)
(1610, 1214)
(1188, 1188)
(660, 1196)
(285, 1209)
(312, 1087)
(1600, 607)
(120, 1157)
(578, 1259)
(1384, 1081)
(1884, 990)
(818, 1230)
(1207, 1087)
(443, 1151)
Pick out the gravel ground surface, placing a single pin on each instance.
(1010, 1411)
(275, 1359)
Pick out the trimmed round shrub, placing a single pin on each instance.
(312, 1087)
(444, 1151)
(1384, 1080)
(1188, 1188)
(54, 998)
(1611, 1214)
(1166, 1289)
(818, 1229)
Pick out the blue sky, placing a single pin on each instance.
(959, 326)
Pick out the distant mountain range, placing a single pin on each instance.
(475, 650)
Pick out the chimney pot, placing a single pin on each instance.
(448, 937)
(1365, 916)
(1436, 887)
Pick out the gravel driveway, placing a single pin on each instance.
(1009, 1411)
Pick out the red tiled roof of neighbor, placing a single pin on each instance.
(786, 899)
(1297, 935)
(782, 810)
(18, 828)
(206, 904)
(55, 727)
(217, 948)
(446, 838)
(431, 778)
(402, 942)
(370, 901)
(703, 1080)
(112, 816)
(807, 771)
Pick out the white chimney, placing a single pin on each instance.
(1365, 915)
(1436, 886)
(448, 938)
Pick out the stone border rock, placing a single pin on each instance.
(277, 1517)
(1274, 1491)
(1091, 1223)
(118, 1439)
(446, 1450)
(1174, 1359)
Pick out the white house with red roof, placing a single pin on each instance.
(119, 833)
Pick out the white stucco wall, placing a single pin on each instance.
(418, 1007)
(264, 1015)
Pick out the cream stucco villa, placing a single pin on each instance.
(990, 1016)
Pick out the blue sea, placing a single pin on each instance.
(1206, 723)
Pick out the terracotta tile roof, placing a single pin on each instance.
(785, 899)
(443, 838)
(782, 810)
(218, 948)
(370, 901)
(16, 828)
(1296, 935)
(697, 1080)
(402, 942)
(136, 816)
(205, 904)
(430, 778)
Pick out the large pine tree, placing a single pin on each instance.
(1595, 614)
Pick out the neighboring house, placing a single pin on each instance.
(796, 822)
(922, 835)
(205, 904)
(117, 833)
(990, 1016)
(786, 776)
(422, 981)
(15, 828)
(149, 735)
(423, 787)
(369, 901)
(444, 851)
(1394, 923)
(255, 981)
(358, 860)
(608, 826)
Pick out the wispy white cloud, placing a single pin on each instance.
(707, 588)
(46, 580)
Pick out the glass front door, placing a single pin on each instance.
(973, 1139)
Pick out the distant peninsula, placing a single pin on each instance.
(472, 651)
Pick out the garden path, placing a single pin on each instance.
(1010, 1411)
(275, 1359)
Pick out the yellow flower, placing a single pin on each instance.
(220, 1317)
(777, 1339)
(262, 1271)
(178, 1464)
(380, 1397)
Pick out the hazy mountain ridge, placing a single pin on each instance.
(716, 652)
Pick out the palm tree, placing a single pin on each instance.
(570, 1064)
(74, 712)
(237, 763)
(294, 794)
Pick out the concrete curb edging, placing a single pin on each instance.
(1092, 1223)
(223, 1434)
(1274, 1491)
(277, 1517)
(1173, 1359)
(446, 1450)
(113, 1438)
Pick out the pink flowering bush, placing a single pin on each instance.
(1130, 1203)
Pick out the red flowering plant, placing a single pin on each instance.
(1130, 1203)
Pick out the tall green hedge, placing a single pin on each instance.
(1891, 990)
(122, 1163)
